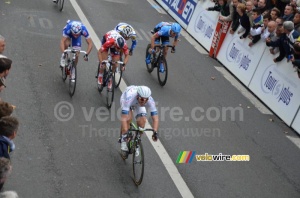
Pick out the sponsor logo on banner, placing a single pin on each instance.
(184, 9)
(236, 53)
(203, 26)
(277, 84)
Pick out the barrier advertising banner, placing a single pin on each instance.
(181, 10)
(203, 23)
(239, 58)
(278, 86)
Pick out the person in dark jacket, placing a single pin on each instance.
(244, 20)
(8, 131)
(221, 7)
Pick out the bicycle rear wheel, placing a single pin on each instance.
(110, 90)
(61, 4)
(162, 71)
(138, 163)
(149, 56)
(99, 86)
(118, 75)
(72, 79)
(64, 73)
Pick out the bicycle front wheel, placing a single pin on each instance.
(149, 59)
(162, 71)
(110, 87)
(118, 75)
(138, 163)
(72, 79)
(61, 4)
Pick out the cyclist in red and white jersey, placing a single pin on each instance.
(114, 42)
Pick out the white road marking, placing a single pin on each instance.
(157, 7)
(145, 35)
(116, 1)
(159, 148)
(262, 108)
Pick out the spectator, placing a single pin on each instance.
(256, 29)
(263, 7)
(275, 13)
(255, 3)
(221, 7)
(281, 43)
(234, 16)
(6, 109)
(249, 7)
(280, 4)
(296, 57)
(244, 20)
(5, 65)
(5, 170)
(266, 19)
(291, 33)
(270, 31)
(296, 21)
(9, 194)
(288, 13)
(279, 21)
(8, 131)
(2, 44)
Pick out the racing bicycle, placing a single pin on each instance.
(108, 80)
(60, 4)
(158, 60)
(70, 68)
(135, 147)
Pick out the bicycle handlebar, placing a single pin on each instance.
(74, 51)
(141, 130)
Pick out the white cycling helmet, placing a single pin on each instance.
(127, 32)
(76, 27)
(144, 91)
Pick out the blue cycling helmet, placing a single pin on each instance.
(175, 27)
(76, 27)
(120, 42)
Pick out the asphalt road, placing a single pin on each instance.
(80, 157)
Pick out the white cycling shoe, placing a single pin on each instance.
(124, 146)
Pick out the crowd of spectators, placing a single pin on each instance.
(8, 124)
(275, 22)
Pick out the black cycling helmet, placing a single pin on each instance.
(120, 42)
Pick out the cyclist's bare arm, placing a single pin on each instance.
(155, 122)
(90, 45)
(63, 44)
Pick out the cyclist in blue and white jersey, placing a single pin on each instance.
(127, 32)
(136, 100)
(72, 33)
(163, 31)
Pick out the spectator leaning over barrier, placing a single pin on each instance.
(256, 29)
(244, 20)
(281, 43)
(296, 21)
(234, 16)
(288, 13)
(291, 33)
(5, 66)
(2, 44)
(270, 31)
(249, 7)
(222, 7)
(275, 13)
(6, 109)
(255, 3)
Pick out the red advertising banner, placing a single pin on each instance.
(219, 36)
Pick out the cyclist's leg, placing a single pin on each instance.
(76, 44)
(141, 116)
(165, 41)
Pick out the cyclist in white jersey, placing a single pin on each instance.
(137, 99)
(127, 32)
